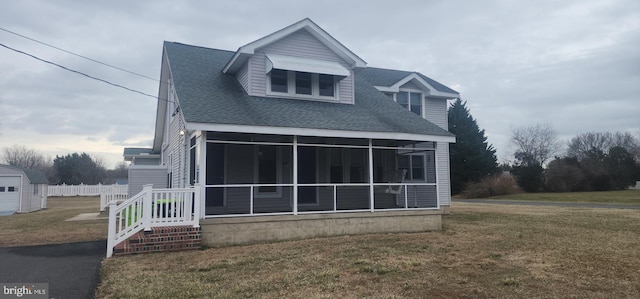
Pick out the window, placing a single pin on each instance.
(302, 84)
(279, 81)
(414, 165)
(267, 171)
(1, 188)
(11, 189)
(194, 162)
(348, 165)
(326, 85)
(410, 100)
(35, 189)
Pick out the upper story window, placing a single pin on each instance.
(303, 77)
(410, 100)
(302, 84)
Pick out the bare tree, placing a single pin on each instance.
(19, 155)
(538, 142)
(581, 145)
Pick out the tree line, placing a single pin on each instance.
(70, 169)
(592, 161)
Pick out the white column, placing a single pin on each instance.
(295, 175)
(371, 190)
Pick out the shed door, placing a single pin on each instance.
(9, 193)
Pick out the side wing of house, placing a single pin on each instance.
(427, 98)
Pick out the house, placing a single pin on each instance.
(22, 190)
(294, 136)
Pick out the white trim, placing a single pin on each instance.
(307, 65)
(295, 174)
(244, 52)
(429, 90)
(317, 132)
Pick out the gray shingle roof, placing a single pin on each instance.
(207, 95)
(387, 77)
(34, 176)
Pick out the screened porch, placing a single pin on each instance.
(254, 174)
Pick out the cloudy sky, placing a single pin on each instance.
(572, 64)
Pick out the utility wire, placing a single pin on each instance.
(81, 56)
(81, 73)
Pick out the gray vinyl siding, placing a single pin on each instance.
(444, 178)
(299, 44)
(436, 112)
(258, 77)
(421, 197)
(177, 149)
(140, 176)
(243, 77)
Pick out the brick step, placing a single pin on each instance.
(168, 238)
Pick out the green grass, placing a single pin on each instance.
(610, 197)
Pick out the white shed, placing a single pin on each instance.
(22, 190)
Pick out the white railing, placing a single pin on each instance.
(84, 190)
(152, 208)
(114, 194)
(403, 196)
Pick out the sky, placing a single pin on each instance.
(573, 64)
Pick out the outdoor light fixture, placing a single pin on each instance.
(181, 132)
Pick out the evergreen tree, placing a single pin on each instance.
(75, 169)
(472, 158)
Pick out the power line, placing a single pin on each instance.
(81, 73)
(78, 55)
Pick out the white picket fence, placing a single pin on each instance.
(86, 190)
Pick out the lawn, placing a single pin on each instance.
(49, 226)
(609, 197)
(484, 251)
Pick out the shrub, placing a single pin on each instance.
(495, 185)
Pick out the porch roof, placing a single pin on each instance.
(207, 96)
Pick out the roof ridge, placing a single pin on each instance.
(196, 46)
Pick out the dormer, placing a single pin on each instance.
(301, 61)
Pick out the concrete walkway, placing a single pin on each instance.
(550, 203)
(72, 270)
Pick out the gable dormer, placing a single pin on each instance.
(301, 61)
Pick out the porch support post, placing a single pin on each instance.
(295, 175)
(371, 191)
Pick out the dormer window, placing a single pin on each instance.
(410, 100)
(302, 84)
(304, 78)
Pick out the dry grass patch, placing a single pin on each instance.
(484, 251)
(49, 226)
(611, 197)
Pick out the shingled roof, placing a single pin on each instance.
(206, 95)
(34, 176)
(388, 77)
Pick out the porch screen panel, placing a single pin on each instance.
(215, 174)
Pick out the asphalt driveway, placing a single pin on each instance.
(72, 270)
